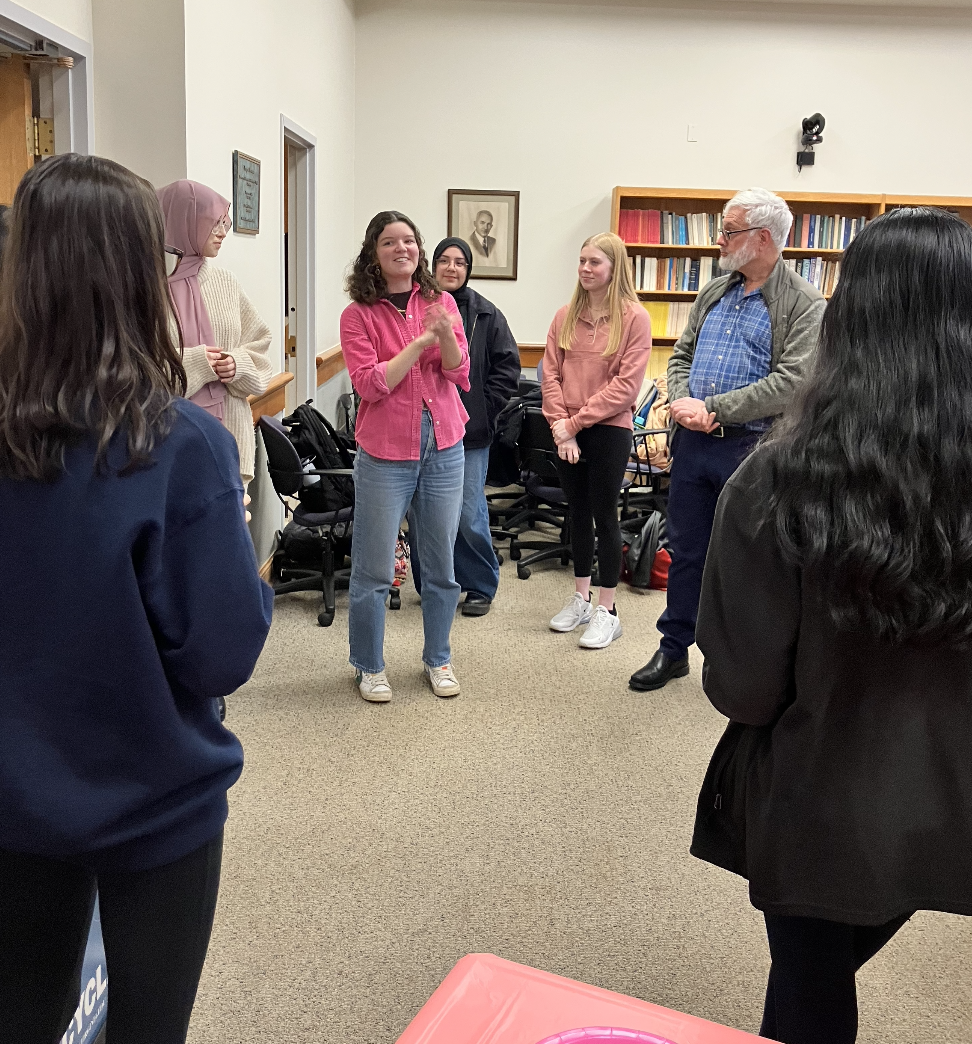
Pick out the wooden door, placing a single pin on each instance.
(16, 125)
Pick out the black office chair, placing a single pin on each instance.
(332, 527)
(546, 501)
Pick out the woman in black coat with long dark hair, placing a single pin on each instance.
(836, 624)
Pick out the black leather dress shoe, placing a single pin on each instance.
(658, 671)
(476, 604)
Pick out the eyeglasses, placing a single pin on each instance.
(727, 233)
(224, 225)
(454, 262)
(173, 258)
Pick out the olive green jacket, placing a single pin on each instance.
(795, 309)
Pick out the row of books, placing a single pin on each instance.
(823, 274)
(823, 231)
(672, 273)
(664, 228)
(668, 318)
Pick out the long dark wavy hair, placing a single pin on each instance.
(365, 283)
(87, 348)
(872, 469)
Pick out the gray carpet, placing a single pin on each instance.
(543, 816)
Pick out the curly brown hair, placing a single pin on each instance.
(365, 282)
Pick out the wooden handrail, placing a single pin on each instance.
(331, 362)
(272, 401)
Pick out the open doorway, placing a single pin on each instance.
(299, 253)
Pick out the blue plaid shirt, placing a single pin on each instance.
(734, 348)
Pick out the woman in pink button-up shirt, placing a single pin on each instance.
(597, 352)
(406, 353)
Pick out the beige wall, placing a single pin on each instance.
(247, 63)
(140, 86)
(565, 101)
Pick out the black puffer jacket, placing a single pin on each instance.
(494, 369)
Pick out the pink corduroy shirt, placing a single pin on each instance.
(583, 387)
(389, 421)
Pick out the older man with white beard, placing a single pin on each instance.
(746, 348)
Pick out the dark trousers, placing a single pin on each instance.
(701, 466)
(155, 924)
(811, 996)
(592, 486)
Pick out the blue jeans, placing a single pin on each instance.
(701, 466)
(383, 490)
(475, 561)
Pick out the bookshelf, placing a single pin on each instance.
(683, 202)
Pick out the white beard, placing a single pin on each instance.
(738, 259)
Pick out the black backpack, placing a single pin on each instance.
(320, 446)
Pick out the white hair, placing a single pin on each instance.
(764, 209)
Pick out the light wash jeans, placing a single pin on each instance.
(476, 566)
(383, 491)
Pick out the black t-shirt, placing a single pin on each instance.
(400, 301)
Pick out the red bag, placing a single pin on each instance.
(659, 570)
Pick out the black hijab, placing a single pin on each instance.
(462, 296)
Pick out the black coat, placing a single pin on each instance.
(494, 370)
(852, 794)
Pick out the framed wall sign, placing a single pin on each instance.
(489, 222)
(246, 194)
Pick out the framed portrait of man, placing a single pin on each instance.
(489, 222)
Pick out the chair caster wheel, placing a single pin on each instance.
(324, 618)
(515, 553)
(395, 599)
(523, 572)
(499, 558)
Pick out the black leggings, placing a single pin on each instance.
(155, 924)
(592, 487)
(811, 996)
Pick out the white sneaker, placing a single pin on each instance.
(602, 630)
(443, 680)
(573, 614)
(373, 687)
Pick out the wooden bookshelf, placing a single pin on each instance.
(711, 201)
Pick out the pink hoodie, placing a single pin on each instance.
(584, 388)
(389, 422)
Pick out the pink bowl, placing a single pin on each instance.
(605, 1035)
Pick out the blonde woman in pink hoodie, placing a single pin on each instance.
(593, 368)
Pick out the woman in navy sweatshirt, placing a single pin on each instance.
(129, 602)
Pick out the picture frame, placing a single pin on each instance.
(489, 221)
(246, 194)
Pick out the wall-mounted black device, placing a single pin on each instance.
(812, 128)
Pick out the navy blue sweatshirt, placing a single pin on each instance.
(127, 604)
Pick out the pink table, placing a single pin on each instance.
(486, 1000)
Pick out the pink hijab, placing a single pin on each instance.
(191, 211)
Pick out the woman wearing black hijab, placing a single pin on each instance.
(494, 373)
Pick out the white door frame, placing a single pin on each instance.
(73, 88)
(304, 279)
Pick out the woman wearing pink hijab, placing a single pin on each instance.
(226, 342)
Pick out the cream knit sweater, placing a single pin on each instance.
(240, 332)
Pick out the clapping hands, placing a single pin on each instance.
(437, 321)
